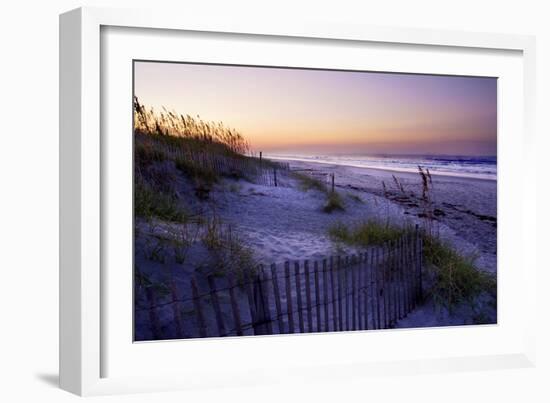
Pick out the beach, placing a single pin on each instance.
(284, 223)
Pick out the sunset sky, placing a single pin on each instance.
(321, 111)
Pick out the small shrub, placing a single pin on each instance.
(366, 234)
(334, 202)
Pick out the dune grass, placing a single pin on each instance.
(455, 277)
(172, 125)
(150, 203)
(365, 234)
(307, 182)
(333, 203)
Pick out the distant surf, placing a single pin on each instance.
(480, 167)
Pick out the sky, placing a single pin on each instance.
(306, 111)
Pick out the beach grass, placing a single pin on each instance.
(307, 182)
(150, 203)
(333, 202)
(230, 253)
(365, 234)
(455, 277)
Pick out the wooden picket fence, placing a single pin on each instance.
(369, 290)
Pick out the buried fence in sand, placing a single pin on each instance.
(370, 290)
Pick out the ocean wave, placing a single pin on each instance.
(482, 167)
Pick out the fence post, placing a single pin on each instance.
(250, 297)
(395, 281)
(216, 306)
(264, 289)
(420, 254)
(176, 309)
(412, 273)
(317, 295)
(377, 281)
(299, 296)
(364, 269)
(234, 306)
(261, 320)
(339, 277)
(346, 293)
(325, 294)
(198, 307)
(275, 176)
(333, 294)
(277, 298)
(308, 297)
(353, 295)
(289, 311)
(401, 278)
(153, 318)
(332, 179)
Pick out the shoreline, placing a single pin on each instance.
(388, 169)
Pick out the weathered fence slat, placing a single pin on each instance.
(366, 283)
(250, 296)
(400, 276)
(406, 278)
(377, 270)
(198, 308)
(339, 276)
(260, 321)
(346, 291)
(234, 305)
(264, 294)
(317, 295)
(299, 296)
(289, 311)
(395, 282)
(333, 293)
(353, 294)
(412, 270)
(420, 263)
(216, 306)
(325, 294)
(277, 298)
(409, 273)
(156, 329)
(388, 285)
(308, 297)
(360, 293)
(176, 309)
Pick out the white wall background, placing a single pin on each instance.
(29, 195)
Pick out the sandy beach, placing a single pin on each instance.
(284, 223)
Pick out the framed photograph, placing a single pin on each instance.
(244, 201)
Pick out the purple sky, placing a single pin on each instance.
(320, 111)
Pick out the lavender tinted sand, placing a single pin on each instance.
(286, 223)
(468, 206)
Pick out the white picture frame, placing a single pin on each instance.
(84, 344)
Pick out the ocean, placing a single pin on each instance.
(481, 167)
